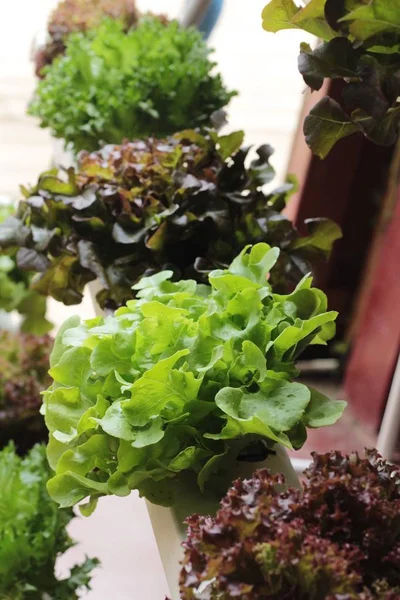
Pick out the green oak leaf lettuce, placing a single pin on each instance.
(360, 45)
(182, 381)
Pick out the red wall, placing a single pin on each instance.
(377, 343)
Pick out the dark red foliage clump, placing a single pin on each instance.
(24, 365)
(337, 539)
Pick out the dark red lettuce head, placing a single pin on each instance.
(189, 203)
(337, 539)
(24, 365)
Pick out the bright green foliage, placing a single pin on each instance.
(181, 381)
(33, 533)
(361, 45)
(111, 85)
(15, 293)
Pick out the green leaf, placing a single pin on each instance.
(253, 263)
(64, 407)
(49, 183)
(67, 489)
(376, 17)
(189, 457)
(326, 124)
(114, 423)
(322, 233)
(322, 411)
(278, 14)
(86, 456)
(334, 59)
(238, 428)
(230, 144)
(73, 368)
(311, 18)
(380, 131)
(293, 334)
(285, 14)
(250, 365)
(279, 405)
(150, 434)
(103, 359)
(159, 388)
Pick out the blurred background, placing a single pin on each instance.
(267, 108)
(361, 280)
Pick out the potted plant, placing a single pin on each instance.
(189, 203)
(360, 46)
(338, 538)
(71, 16)
(24, 364)
(15, 294)
(33, 533)
(113, 84)
(184, 388)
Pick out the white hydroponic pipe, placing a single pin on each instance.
(389, 432)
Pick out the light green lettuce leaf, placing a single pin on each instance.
(278, 404)
(160, 388)
(322, 411)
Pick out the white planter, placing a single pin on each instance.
(168, 523)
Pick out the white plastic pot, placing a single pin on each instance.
(168, 523)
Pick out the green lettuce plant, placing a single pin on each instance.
(188, 203)
(181, 382)
(33, 533)
(360, 46)
(71, 16)
(113, 85)
(14, 289)
(24, 365)
(337, 539)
